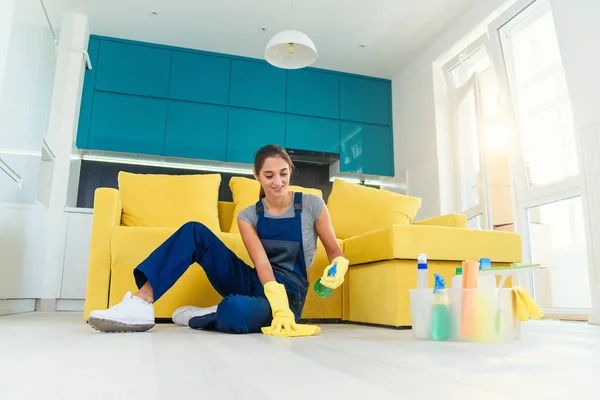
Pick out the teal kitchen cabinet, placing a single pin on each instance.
(313, 93)
(133, 69)
(249, 130)
(365, 100)
(366, 149)
(130, 124)
(310, 133)
(200, 78)
(87, 96)
(257, 85)
(196, 131)
(153, 99)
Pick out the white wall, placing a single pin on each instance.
(7, 11)
(416, 146)
(62, 128)
(414, 135)
(27, 66)
(21, 246)
(579, 39)
(27, 62)
(39, 107)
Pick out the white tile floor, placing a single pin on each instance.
(57, 356)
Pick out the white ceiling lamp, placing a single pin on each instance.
(290, 50)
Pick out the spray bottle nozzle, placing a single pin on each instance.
(440, 283)
(332, 270)
(324, 291)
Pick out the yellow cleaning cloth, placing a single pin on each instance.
(295, 330)
(283, 319)
(525, 306)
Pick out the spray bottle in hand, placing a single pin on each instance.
(323, 291)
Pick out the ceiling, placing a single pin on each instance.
(392, 31)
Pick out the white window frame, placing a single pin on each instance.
(456, 95)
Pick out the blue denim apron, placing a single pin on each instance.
(282, 241)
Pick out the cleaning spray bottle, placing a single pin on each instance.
(441, 320)
(486, 281)
(456, 282)
(324, 291)
(422, 272)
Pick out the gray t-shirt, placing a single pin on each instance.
(311, 209)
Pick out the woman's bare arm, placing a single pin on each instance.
(256, 251)
(327, 235)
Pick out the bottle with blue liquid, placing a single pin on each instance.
(441, 319)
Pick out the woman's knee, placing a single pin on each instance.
(195, 225)
(198, 228)
(242, 314)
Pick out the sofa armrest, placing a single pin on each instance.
(450, 220)
(406, 242)
(107, 216)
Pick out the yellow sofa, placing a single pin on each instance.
(382, 261)
(116, 250)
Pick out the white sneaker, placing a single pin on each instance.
(182, 315)
(132, 314)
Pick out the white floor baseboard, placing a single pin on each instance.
(16, 306)
(594, 317)
(70, 305)
(45, 305)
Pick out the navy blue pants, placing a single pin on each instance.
(244, 308)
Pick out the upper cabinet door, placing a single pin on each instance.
(313, 93)
(200, 78)
(249, 130)
(365, 100)
(196, 131)
(133, 69)
(366, 149)
(257, 85)
(130, 124)
(314, 134)
(379, 154)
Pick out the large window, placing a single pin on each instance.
(545, 161)
(515, 149)
(539, 94)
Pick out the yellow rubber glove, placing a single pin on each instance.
(525, 305)
(335, 281)
(283, 323)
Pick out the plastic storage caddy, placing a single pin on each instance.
(471, 315)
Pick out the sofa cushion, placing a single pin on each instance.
(225, 215)
(156, 200)
(451, 220)
(246, 191)
(439, 243)
(357, 209)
